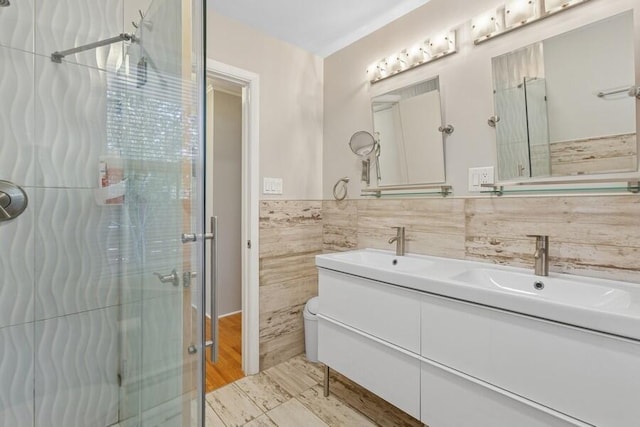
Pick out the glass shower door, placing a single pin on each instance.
(156, 101)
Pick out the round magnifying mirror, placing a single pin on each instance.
(362, 143)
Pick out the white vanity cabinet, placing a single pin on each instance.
(587, 375)
(370, 331)
(454, 363)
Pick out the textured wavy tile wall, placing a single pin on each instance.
(76, 252)
(64, 24)
(17, 28)
(76, 367)
(70, 123)
(16, 375)
(17, 143)
(59, 287)
(17, 255)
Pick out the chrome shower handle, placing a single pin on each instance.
(172, 278)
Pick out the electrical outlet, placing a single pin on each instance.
(479, 176)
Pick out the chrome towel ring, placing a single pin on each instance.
(344, 181)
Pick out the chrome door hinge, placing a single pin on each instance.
(186, 278)
(248, 244)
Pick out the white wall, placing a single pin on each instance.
(465, 81)
(291, 110)
(578, 66)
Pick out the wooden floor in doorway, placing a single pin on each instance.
(229, 366)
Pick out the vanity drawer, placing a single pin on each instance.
(589, 376)
(387, 372)
(387, 312)
(451, 400)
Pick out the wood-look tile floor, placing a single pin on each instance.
(290, 395)
(228, 368)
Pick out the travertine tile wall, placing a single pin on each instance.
(433, 226)
(592, 236)
(290, 238)
(617, 153)
(596, 236)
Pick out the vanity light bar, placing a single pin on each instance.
(516, 14)
(422, 53)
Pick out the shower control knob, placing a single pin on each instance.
(13, 201)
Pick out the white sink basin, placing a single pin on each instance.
(602, 305)
(564, 291)
(385, 261)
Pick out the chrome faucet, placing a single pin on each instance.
(399, 240)
(541, 255)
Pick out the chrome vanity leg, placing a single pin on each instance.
(326, 381)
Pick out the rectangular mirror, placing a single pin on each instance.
(406, 123)
(562, 105)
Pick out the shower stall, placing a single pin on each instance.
(100, 164)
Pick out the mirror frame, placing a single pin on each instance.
(382, 89)
(630, 177)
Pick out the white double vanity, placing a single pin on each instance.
(459, 343)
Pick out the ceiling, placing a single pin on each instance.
(318, 26)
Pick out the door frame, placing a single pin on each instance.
(250, 210)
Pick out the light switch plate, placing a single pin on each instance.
(271, 185)
(277, 186)
(479, 176)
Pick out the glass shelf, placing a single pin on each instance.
(410, 190)
(500, 190)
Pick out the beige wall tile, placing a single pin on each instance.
(294, 239)
(275, 324)
(617, 153)
(281, 348)
(592, 235)
(280, 296)
(290, 238)
(432, 226)
(339, 225)
(286, 213)
(289, 268)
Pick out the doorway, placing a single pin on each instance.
(232, 199)
(223, 202)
